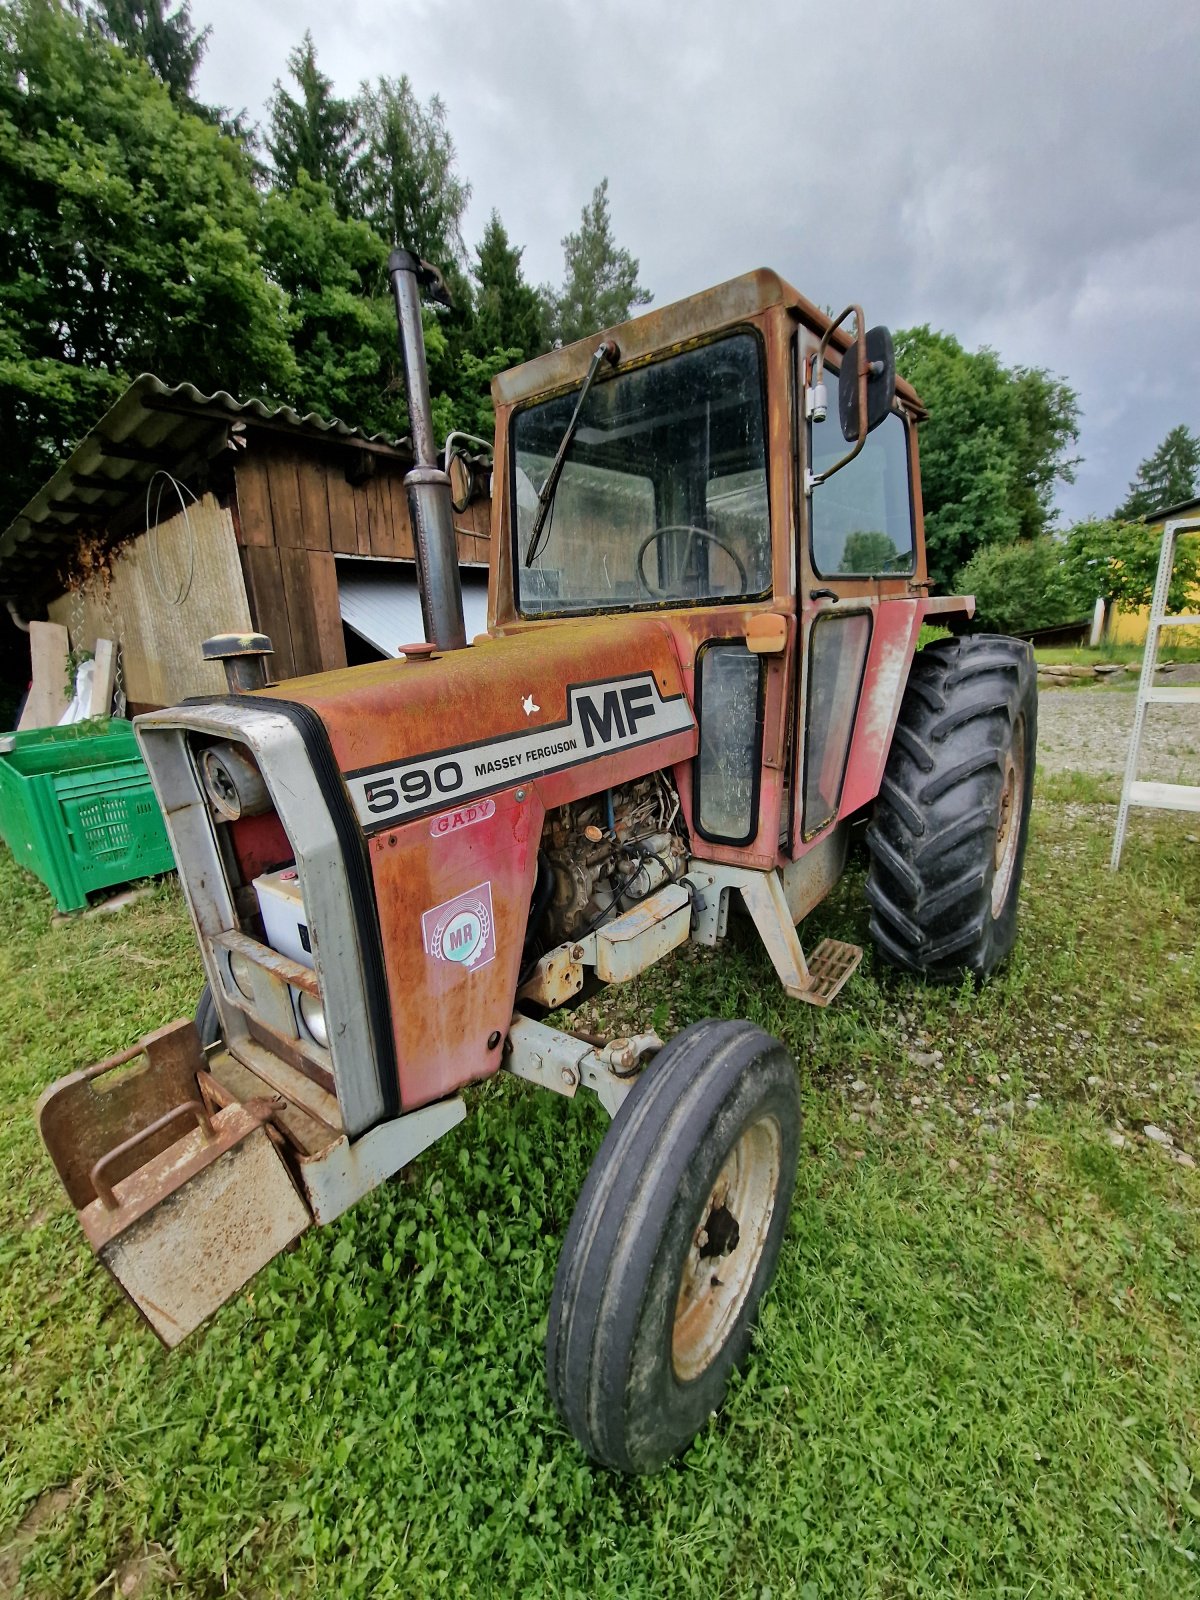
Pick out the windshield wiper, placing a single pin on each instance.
(607, 351)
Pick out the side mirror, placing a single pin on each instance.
(462, 482)
(470, 476)
(881, 383)
(866, 384)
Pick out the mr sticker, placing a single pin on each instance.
(462, 930)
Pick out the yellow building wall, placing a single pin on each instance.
(1129, 626)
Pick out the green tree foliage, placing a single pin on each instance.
(1020, 586)
(1167, 478)
(343, 323)
(601, 286)
(411, 193)
(1117, 562)
(507, 309)
(343, 326)
(314, 132)
(128, 242)
(409, 187)
(995, 445)
(870, 550)
(165, 40)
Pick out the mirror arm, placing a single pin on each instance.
(811, 478)
(471, 438)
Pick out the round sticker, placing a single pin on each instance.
(462, 936)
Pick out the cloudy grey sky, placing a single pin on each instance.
(1023, 174)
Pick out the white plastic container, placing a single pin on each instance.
(283, 914)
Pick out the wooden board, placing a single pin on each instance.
(314, 501)
(105, 679)
(49, 649)
(362, 519)
(253, 501)
(327, 614)
(402, 539)
(268, 605)
(343, 527)
(285, 501)
(306, 644)
(383, 538)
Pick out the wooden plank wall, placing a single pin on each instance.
(295, 512)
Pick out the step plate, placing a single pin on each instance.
(830, 964)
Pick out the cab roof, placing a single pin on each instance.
(691, 318)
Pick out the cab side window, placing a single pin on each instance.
(862, 519)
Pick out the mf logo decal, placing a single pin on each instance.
(462, 930)
(602, 718)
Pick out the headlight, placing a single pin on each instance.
(241, 970)
(312, 1014)
(233, 783)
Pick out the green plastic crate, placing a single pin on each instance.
(77, 808)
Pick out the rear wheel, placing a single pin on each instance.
(948, 837)
(674, 1240)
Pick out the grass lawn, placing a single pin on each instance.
(977, 1373)
(1171, 647)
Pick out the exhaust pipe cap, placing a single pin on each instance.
(244, 657)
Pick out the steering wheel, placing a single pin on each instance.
(693, 532)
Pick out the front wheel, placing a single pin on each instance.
(208, 1023)
(951, 823)
(673, 1242)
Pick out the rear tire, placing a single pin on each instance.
(947, 841)
(673, 1242)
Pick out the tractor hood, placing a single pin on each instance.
(410, 795)
(431, 732)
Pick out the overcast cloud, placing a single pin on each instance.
(1023, 174)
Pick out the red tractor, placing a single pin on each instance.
(700, 671)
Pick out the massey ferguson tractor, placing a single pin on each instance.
(700, 673)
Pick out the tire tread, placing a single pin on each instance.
(930, 862)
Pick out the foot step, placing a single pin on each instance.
(830, 964)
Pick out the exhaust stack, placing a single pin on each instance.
(427, 486)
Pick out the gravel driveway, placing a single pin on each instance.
(1087, 730)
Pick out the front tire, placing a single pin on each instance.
(947, 841)
(674, 1240)
(208, 1023)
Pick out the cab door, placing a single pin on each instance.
(859, 610)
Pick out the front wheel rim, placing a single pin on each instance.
(726, 1248)
(1008, 825)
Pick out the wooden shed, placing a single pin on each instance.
(184, 514)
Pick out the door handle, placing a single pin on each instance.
(824, 594)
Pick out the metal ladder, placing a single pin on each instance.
(1160, 796)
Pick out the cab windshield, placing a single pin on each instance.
(663, 494)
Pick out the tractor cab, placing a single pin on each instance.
(691, 464)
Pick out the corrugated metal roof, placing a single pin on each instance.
(153, 425)
(386, 611)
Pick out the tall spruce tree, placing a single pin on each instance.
(410, 189)
(601, 285)
(165, 40)
(507, 309)
(1166, 478)
(315, 132)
